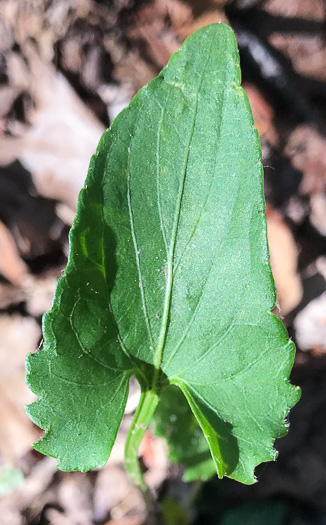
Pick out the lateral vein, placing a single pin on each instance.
(141, 286)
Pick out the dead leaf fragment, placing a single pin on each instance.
(313, 9)
(307, 151)
(310, 325)
(318, 212)
(19, 335)
(263, 114)
(12, 266)
(283, 259)
(306, 52)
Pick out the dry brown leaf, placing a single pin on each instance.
(151, 27)
(310, 326)
(19, 335)
(318, 212)
(313, 9)
(64, 135)
(154, 451)
(307, 151)
(180, 13)
(283, 259)
(74, 497)
(54, 517)
(263, 114)
(160, 41)
(36, 291)
(209, 17)
(306, 52)
(39, 293)
(112, 487)
(12, 266)
(32, 494)
(10, 295)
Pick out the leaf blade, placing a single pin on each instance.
(170, 235)
(82, 369)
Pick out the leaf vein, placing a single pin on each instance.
(158, 179)
(141, 285)
(82, 347)
(170, 277)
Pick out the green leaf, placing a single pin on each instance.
(174, 421)
(168, 276)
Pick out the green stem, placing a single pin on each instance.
(144, 413)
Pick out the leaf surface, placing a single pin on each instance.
(168, 276)
(175, 422)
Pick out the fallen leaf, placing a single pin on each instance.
(12, 266)
(284, 260)
(19, 335)
(306, 148)
(310, 325)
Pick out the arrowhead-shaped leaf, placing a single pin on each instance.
(168, 276)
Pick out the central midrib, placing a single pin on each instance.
(168, 293)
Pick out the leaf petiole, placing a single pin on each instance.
(148, 402)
